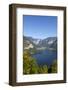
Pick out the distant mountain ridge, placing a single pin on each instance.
(29, 42)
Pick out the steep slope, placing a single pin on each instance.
(29, 42)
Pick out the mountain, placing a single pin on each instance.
(48, 42)
(29, 42)
(33, 40)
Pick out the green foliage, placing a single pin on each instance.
(30, 65)
(34, 67)
(43, 69)
(54, 67)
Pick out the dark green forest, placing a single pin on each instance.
(30, 65)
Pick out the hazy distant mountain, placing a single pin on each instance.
(33, 40)
(29, 42)
(48, 42)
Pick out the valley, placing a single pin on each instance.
(40, 56)
(40, 44)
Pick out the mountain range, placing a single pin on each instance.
(29, 42)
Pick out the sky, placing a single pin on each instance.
(40, 27)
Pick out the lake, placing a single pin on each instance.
(45, 57)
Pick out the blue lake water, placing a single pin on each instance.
(45, 57)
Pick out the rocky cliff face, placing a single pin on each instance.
(29, 42)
